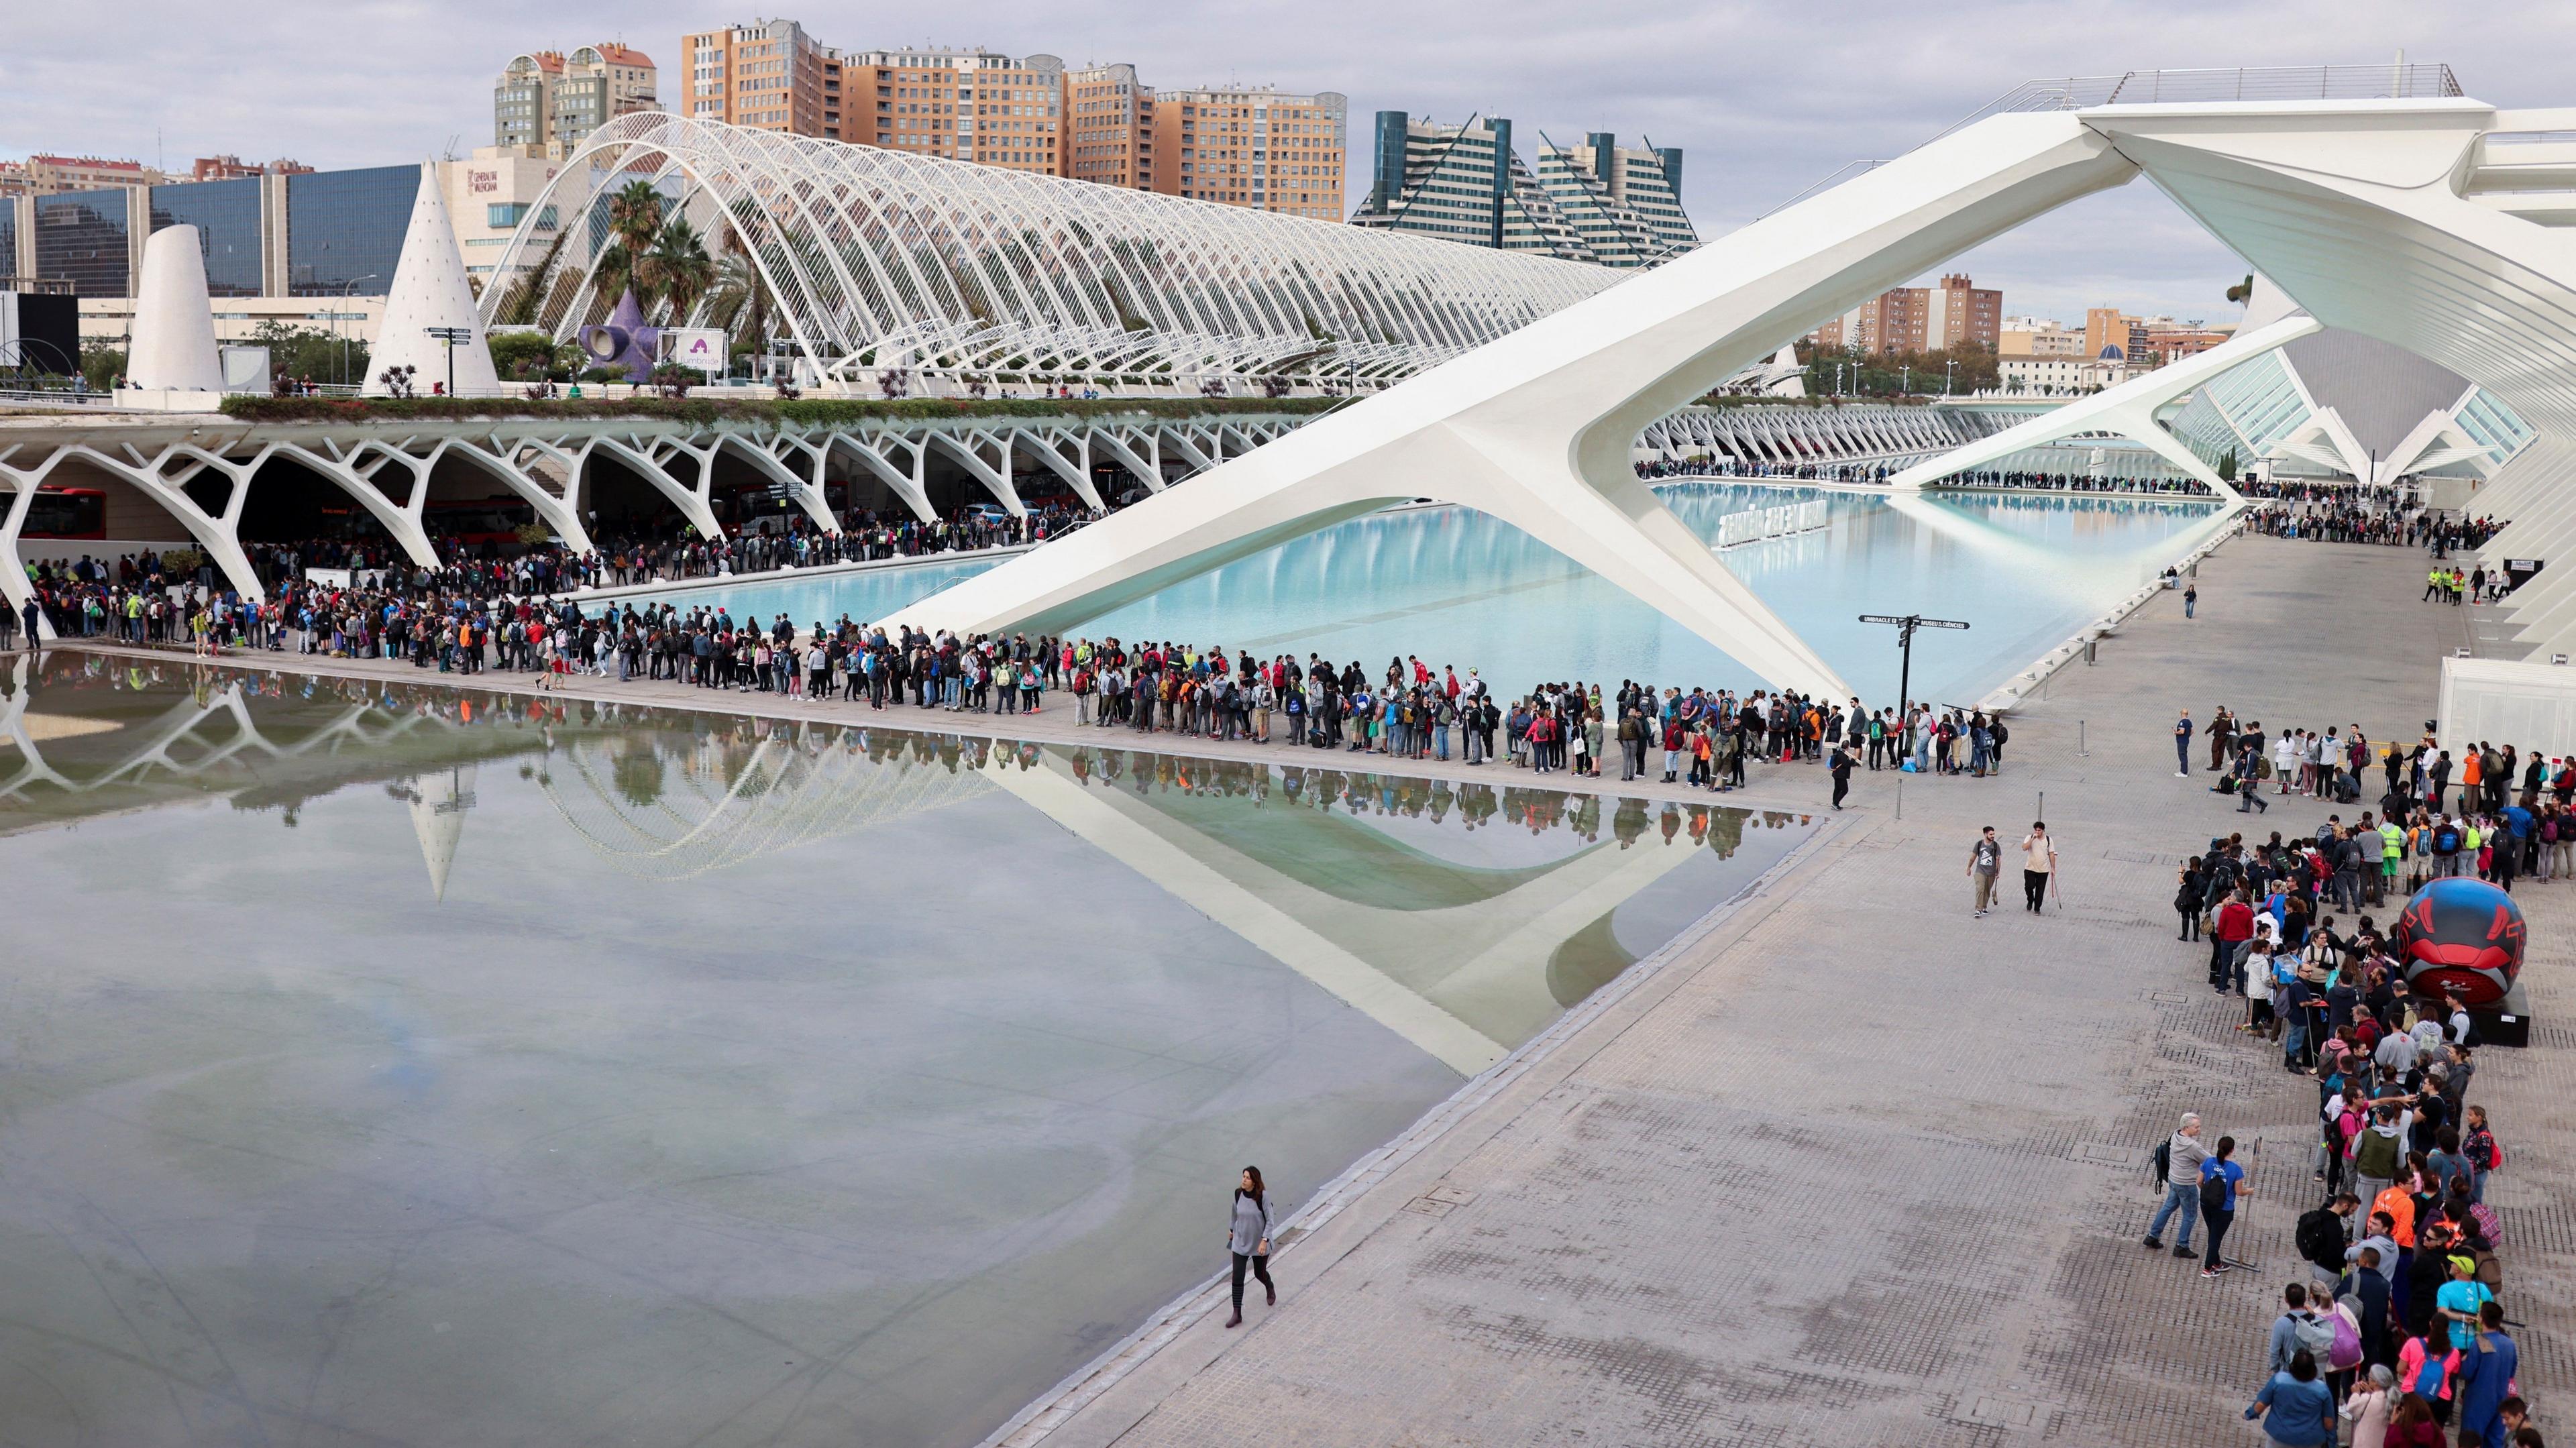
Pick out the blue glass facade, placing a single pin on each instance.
(344, 229)
(8, 237)
(226, 215)
(82, 236)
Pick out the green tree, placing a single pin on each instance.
(678, 268)
(2227, 467)
(533, 356)
(302, 352)
(2243, 291)
(634, 222)
(101, 365)
(740, 301)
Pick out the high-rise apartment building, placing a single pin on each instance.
(1466, 183)
(964, 104)
(1109, 127)
(769, 76)
(1622, 202)
(545, 98)
(1955, 313)
(1250, 146)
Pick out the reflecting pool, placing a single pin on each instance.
(1457, 587)
(395, 1064)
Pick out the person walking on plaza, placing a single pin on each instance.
(2182, 733)
(1842, 771)
(2222, 1182)
(1248, 1238)
(1985, 859)
(2038, 865)
(2190, 599)
(2182, 1154)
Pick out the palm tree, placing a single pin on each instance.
(739, 287)
(677, 268)
(634, 220)
(635, 214)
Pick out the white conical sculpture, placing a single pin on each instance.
(438, 809)
(174, 324)
(429, 290)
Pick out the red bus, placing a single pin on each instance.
(67, 513)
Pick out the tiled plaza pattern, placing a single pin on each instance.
(1857, 1168)
(1870, 1171)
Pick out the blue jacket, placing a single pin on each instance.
(2485, 1378)
(2302, 1414)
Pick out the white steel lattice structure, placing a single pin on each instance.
(881, 260)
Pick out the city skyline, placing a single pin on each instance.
(1800, 112)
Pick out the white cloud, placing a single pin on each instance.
(1763, 98)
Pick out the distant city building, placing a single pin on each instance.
(2057, 375)
(769, 75)
(302, 248)
(966, 104)
(547, 99)
(1622, 202)
(1955, 313)
(54, 175)
(2037, 337)
(233, 168)
(1109, 127)
(1252, 146)
(1467, 183)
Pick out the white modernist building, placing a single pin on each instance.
(883, 262)
(2380, 199)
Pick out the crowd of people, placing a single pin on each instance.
(2514, 816)
(152, 597)
(2396, 1333)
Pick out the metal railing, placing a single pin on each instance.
(2395, 81)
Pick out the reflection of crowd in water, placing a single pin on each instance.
(567, 722)
(1704, 467)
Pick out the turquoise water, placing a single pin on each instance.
(1458, 588)
(430, 1067)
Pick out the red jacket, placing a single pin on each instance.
(2235, 921)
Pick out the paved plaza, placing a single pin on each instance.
(1855, 1167)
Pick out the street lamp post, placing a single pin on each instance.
(1947, 368)
(337, 318)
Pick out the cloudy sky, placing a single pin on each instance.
(1765, 98)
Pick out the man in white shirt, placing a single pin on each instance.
(2038, 864)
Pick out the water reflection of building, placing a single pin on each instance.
(1317, 867)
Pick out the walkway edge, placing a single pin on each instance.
(1058, 1406)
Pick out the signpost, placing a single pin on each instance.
(1905, 627)
(453, 337)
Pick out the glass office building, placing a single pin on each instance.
(8, 239)
(81, 236)
(226, 215)
(344, 229)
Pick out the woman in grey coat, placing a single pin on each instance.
(1248, 1237)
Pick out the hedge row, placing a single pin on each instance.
(709, 410)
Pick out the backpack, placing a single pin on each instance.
(2213, 1190)
(2377, 1156)
(2320, 1238)
(2314, 1333)
(2345, 1351)
(2446, 840)
(2162, 1161)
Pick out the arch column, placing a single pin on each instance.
(996, 482)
